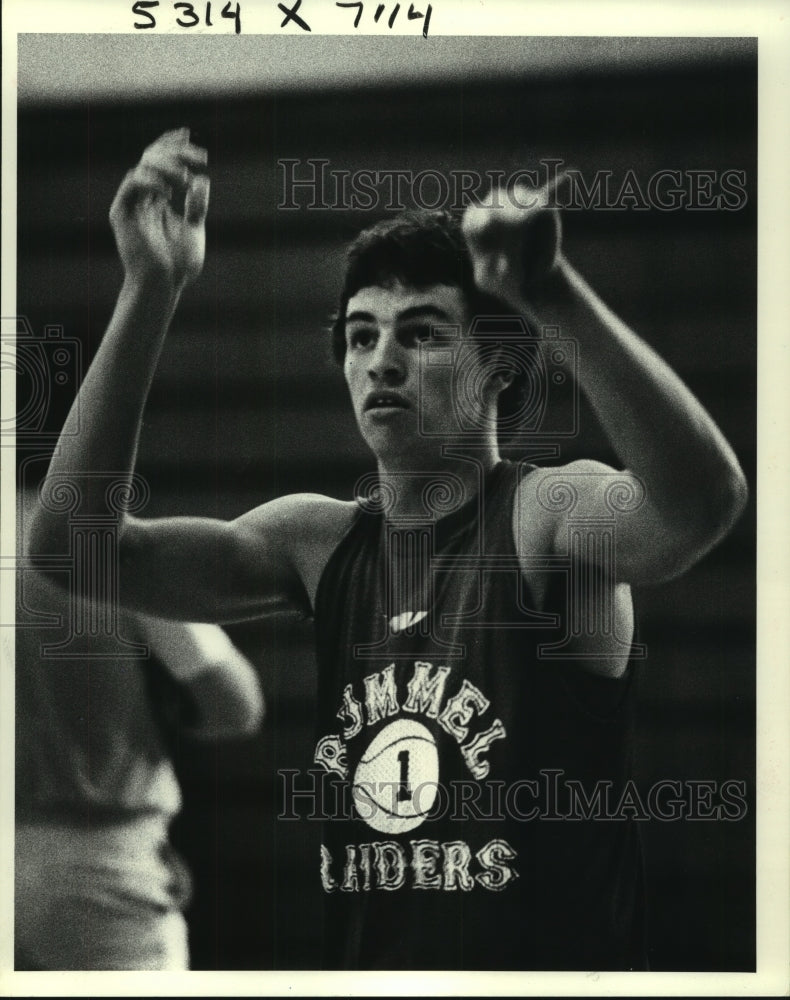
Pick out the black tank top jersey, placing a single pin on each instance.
(448, 749)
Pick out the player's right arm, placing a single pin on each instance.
(186, 568)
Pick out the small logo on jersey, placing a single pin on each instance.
(407, 620)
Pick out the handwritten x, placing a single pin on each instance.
(291, 15)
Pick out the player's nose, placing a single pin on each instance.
(387, 363)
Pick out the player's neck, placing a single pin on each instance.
(424, 490)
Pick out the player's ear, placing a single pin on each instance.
(498, 378)
(501, 372)
(504, 377)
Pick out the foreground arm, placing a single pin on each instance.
(221, 683)
(694, 489)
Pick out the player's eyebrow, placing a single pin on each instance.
(422, 312)
(360, 317)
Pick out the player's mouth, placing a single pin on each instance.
(385, 402)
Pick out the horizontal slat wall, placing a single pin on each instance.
(247, 405)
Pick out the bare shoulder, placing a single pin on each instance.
(299, 515)
(301, 530)
(545, 498)
(581, 477)
(584, 488)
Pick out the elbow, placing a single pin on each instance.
(243, 712)
(251, 726)
(248, 718)
(726, 505)
(684, 534)
(227, 726)
(738, 495)
(45, 512)
(227, 711)
(707, 526)
(46, 541)
(719, 506)
(41, 540)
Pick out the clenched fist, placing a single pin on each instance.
(155, 236)
(514, 242)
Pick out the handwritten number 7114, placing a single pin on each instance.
(412, 14)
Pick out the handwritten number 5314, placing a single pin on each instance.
(187, 15)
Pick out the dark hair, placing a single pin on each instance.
(420, 248)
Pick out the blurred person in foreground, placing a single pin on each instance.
(98, 884)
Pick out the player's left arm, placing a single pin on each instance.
(221, 684)
(688, 487)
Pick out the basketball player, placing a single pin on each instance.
(473, 617)
(97, 883)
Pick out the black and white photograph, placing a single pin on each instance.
(386, 463)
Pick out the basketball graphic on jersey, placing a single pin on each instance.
(396, 781)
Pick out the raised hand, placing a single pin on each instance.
(514, 241)
(158, 215)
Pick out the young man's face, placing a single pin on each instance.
(386, 372)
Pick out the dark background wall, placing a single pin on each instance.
(247, 406)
